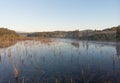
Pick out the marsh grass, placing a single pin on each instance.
(71, 80)
(56, 80)
(39, 60)
(83, 75)
(16, 73)
(5, 44)
(23, 80)
(9, 81)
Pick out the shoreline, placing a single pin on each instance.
(8, 43)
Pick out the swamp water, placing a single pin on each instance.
(60, 61)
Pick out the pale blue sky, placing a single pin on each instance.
(51, 15)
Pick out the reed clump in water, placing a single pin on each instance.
(71, 81)
(56, 80)
(9, 81)
(7, 43)
(16, 73)
(23, 80)
(83, 76)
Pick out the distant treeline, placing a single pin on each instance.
(106, 34)
(55, 34)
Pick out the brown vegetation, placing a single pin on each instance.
(7, 37)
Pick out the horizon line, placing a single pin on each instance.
(57, 30)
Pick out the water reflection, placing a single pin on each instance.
(60, 62)
(118, 49)
(75, 44)
(7, 44)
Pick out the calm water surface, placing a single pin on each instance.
(60, 61)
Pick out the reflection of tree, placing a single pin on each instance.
(118, 49)
(87, 45)
(113, 61)
(75, 44)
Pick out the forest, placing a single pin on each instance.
(109, 34)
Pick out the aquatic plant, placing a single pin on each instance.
(23, 80)
(83, 75)
(16, 73)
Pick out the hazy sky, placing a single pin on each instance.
(51, 15)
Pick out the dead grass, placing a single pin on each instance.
(7, 43)
(4, 44)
